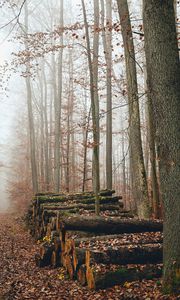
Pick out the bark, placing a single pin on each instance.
(100, 279)
(155, 186)
(140, 192)
(124, 170)
(107, 44)
(163, 79)
(80, 206)
(34, 171)
(70, 106)
(85, 150)
(97, 238)
(175, 10)
(153, 156)
(43, 259)
(79, 258)
(77, 195)
(57, 107)
(109, 225)
(46, 150)
(146, 254)
(94, 97)
(41, 133)
(85, 200)
(81, 275)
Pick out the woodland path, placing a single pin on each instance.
(21, 279)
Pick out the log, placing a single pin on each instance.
(67, 259)
(138, 254)
(47, 214)
(99, 277)
(43, 259)
(56, 254)
(80, 206)
(122, 256)
(49, 253)
(55, 259)
(120, 237)
(40, 263)
(81, 275)
(102, 200)
(105, 192)
(46, 250)
(75, 200)
(109, 225)
(79, 258)
(86, 199)
(48, 194)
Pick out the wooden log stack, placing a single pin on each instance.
(98, 251)
(50, 207)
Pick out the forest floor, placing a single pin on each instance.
(21, 279)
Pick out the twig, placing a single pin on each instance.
(15, 18)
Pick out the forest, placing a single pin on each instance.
(90, 149)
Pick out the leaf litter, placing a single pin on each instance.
(21, 279)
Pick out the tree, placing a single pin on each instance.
(107, 44)
(57, 105)
(140, 192)
(93, 71)
(152, 151)
(163, 80)
(30, 115)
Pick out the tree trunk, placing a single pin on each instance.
(31, 118)
(140, 192)
(57, 107)
(153, 156)
(163, 79)
(93, 72)
(85, 150)
(107, 44)
(46, 150)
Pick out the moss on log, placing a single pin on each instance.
(133, 254)
(98, 278)
(109, 225)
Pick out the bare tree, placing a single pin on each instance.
(57, 106)
(107, 44)
(30, 113)
(139, 183)
(93, 71)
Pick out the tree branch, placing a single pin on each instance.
(16, 17)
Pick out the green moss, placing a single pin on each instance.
(53, 198)
(158, 283)
(173, 285)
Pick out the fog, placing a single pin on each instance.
(9, 102)
(12, 99)
(7, 108)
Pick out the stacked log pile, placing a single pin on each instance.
(48, 208)
(98, 251)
